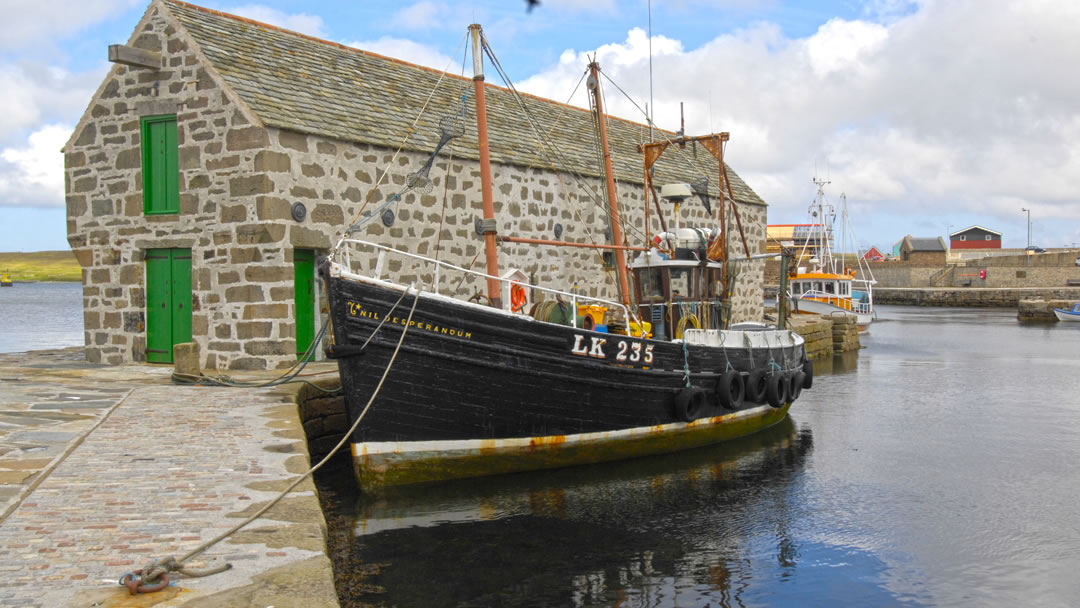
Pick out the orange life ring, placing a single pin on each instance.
(517, 298)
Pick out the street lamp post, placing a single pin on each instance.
(1028, 211)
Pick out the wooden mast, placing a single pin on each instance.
(613, 201)
(490, 251)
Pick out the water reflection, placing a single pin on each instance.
(710, 526)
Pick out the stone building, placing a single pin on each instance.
(220, 157)
(927, 251)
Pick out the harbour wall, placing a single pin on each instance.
(826, 336)
(1042, 311)
(971, 296)
(1045, 270)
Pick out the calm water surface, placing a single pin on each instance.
(35, 316)
(938, 466)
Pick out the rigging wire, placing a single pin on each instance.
(408, 133)
(547, 145)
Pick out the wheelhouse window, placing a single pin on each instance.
(652, 283)
(830, 288)
(680, 283)
(845, 288)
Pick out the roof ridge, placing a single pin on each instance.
(354, 49)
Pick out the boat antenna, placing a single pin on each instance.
(652, 104)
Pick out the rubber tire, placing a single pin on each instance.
(755, 386)
(808, 369)
(795, 386)
(689, 403)
(776, 390)
(730, 389)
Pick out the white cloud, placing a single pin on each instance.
(944, 108)
(33, 175)
(35, 93)
(30, 21)
(312, 25)
(422, 15)
(407, 50)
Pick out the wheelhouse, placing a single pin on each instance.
(675, 295)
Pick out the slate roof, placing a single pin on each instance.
(299, 83)
(926, 244)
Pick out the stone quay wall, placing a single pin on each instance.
(237, 182)
(973, 297)
(826, 336)
(1042, 311)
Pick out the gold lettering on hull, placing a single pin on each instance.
(357, 309)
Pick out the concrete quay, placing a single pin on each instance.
(105, 468)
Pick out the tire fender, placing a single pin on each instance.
(730, 389)
(755, 386)
(776, 389)
(808, 369)
(688, 403)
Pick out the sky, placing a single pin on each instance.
(928, 116)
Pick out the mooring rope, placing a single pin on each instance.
(155, 576)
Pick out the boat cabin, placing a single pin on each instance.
(678, 294)
(821, 285)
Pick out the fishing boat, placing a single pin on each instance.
(1068, 315)
(439, 386)
(829, 286)
(5, 280)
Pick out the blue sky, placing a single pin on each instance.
(929, 115)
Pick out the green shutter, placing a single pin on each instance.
(304, 293)
(161, 165)
(168, 302)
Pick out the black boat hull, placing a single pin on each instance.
(475, 391)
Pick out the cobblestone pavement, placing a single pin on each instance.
(104, 468)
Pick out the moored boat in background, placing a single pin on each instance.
(1068, 315)
(830, 286)
(5, 280)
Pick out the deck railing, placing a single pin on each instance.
(384, 252)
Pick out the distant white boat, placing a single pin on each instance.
(829, 288)
(1068, 315)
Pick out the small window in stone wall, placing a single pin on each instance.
(1021, 274)
(963, 237)
(160, 164)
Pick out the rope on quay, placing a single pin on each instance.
(290, 374)
(155, 575)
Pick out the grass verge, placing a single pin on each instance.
(41, 266)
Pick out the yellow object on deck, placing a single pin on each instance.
(593, 312)
(636, 330)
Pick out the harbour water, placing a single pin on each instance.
(37, 316)
(935, 467)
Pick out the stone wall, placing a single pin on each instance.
(974, 297)
(237, 183)
(1042, 311)
(1046, 270)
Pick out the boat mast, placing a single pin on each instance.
(613, 201)
(490, 251)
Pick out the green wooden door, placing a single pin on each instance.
(304, 290)
(168, 302)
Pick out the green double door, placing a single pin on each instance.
(168, 302)
(304, 290)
